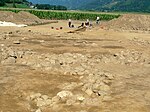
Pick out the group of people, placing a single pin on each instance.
(86, 24)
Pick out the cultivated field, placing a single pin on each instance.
(64, 15)
(104, 68)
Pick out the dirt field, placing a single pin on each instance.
(97, 70)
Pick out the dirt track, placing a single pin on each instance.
(96, 70)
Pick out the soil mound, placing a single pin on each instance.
(21, 17)
(130, 22)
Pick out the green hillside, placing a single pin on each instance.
(94, 5)
(132, 5)
(118, 5)
(14, 3)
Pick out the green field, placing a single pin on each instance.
(64, 15)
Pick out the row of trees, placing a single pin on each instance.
(16, 1)
(50, 7)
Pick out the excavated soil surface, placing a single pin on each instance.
(49, 70)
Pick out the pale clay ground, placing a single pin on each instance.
(129, 89)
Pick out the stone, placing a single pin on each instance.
(89, 92)
(107, 81)
(42, 41)
(16, 42)
(94, 45)
(64, 94)
(92, 102)
(80, 98)
(71, 86)
(105, 88)
(96, 86)
(20, 54)
(45, 97)
(11, 53)
(107, 98)
(35, 96)
(79, 69)
(55, 99)
(38, 110)
(70, 102)
(110, 76)
(2, 45)
(83, 111)
(101, 93)
(48, 102)
(10, 60)
(39, 99)
(56, 108)
(41, 103)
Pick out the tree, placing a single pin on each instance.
(2, 2)
(14, 5)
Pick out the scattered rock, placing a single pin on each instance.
(69, 86)
(48, 102)
(2, 45)
(45, 97)
(71, 101)
(64, 94)
(80, 98)
(83, 111)
(89, 92)
(34, 96)
(41, 103)
(10, 60)
(104, 87)
(38, 110)
(16, 42)
(55, 99)
(92, 102)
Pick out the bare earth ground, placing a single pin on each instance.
(51, 70)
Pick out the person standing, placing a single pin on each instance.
(69, 23)
(87, 23)
(97, 20)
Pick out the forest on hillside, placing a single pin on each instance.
(27, 4)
